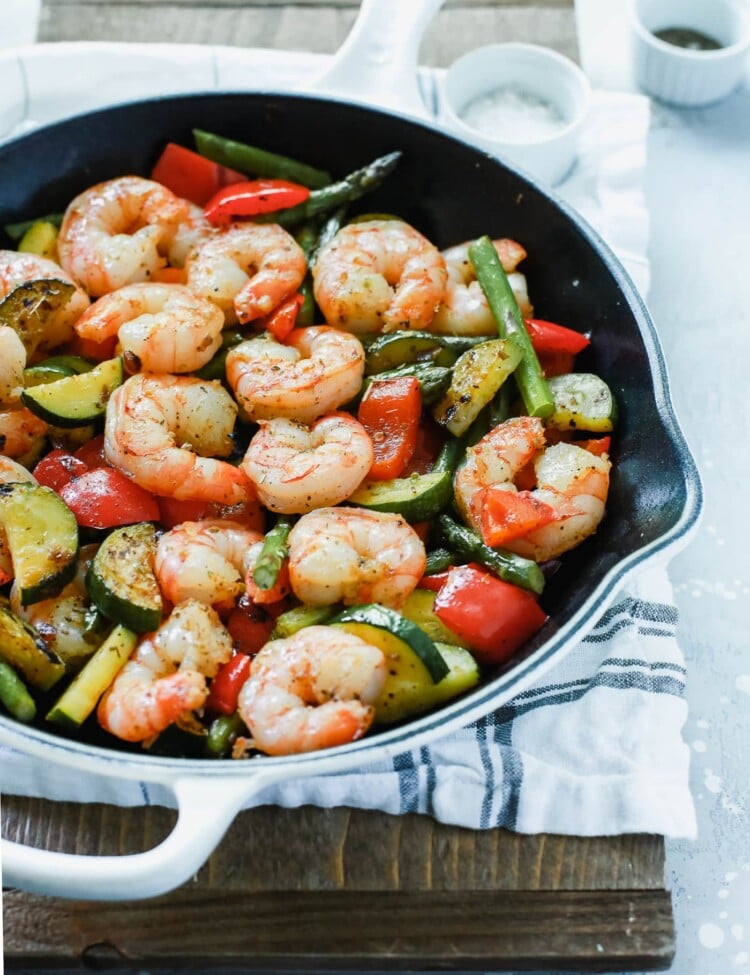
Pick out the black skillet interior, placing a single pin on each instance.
(451, 192)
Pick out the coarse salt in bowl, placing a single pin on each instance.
(521, 102)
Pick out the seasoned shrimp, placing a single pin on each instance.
(296, 468)
(247, 270)
(21, 433)
(10, 472)
(19, 268)
(571, 480)
(314, 372)
(12, 365)
(352, 555)
(313, 690)
(116, 233)
(379, 276)
(165, 432)
(161, 327)
(464, 309)
(190, 232)
(166, 674)
(204, 560)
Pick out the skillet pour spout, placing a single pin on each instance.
(451, 192)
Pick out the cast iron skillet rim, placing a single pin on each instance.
(476, 703)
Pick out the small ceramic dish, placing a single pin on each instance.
(521, 102)
(689, 76)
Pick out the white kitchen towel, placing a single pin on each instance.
(593, 748)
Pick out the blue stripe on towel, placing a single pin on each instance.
(408, 782)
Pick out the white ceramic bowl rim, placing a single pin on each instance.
(544, 54)
(685, 54)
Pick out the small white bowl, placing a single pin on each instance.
(529, 72)
(684, 76)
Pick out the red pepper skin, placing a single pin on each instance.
(173, 512)
(597, 446)
(92, 453)
(282, 320)
(556, 363)
(252, 198)
(494, 617)
(192, 176)
(249, 626)
(390, 412)
(58, 468)
(548, 338)
(227, 684)
(105, 498)
(505, 515)
(430, 440)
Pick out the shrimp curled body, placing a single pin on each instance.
(150, 422)
(379, 276)
(296, 468)
(204, 560)
(464, 309)
(571, 480)
(161, 327)
(314, 372)
(115, 233)
(166, 674)
(353, 555)
(313, 690)
(247, 270)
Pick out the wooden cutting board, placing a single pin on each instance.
(322, 890)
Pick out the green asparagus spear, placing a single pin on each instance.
(298, 618)
(531, 383)
(307, 238)
(272, 555)
(13, 695)
(222, 734)
(433, 380)
(510, 567)
(438, 560)
(258, 162)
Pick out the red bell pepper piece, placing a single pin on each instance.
(505, 515)
(430, 440)
(281, 321)
(92, 452)
(105, 498)
(227, 684)
(546, 337)
(494, 617)
(252, 198)
(598, 446)
(192, 176)
(249, 626)
(390, 412)
(58, 468)
(173, 512)
(556, 363)
(435, 582)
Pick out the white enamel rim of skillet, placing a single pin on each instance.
(209, 794)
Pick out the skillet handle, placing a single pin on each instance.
(377, 63)
(205, 810)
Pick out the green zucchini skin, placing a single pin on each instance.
(24, 650)
(399, 626)
(77, 400)
(42, 537)
(121, 580)
(416, 498)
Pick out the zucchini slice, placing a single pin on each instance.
(583, 401)
(41, 239)
(419, 608)
(81, 696)
(406, 639)
(75, 401)
(30, 307)
(398, 348)
(23, 649)
(121, 580)
(43, 373)
(415, 498)
(42, 537)
(477, 376)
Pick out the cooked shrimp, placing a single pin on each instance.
(20, 268)
(464, 309)
(12, 365)
(115, 233)
(204, 560)
(165, 432)
(64, 622)
(352, 555)
(572, 481)
(21, 433)
(247, 270)
(166, 674)
(190, 232)
(314, 690)
(379, 276)
(296, 468)
(314, 372)
(161, 327)
(10, 472)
